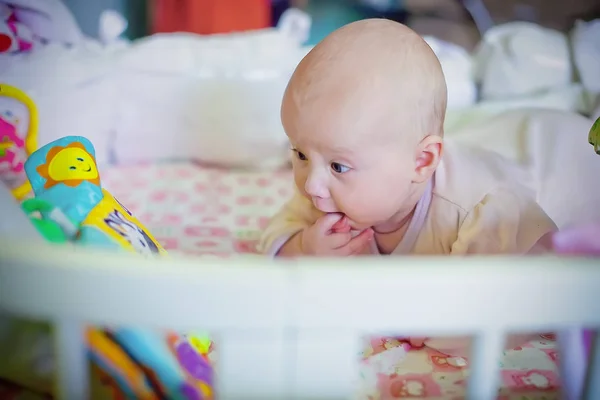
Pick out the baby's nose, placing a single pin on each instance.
(315, 187)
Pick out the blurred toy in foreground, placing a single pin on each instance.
(18, 137)
(74, 208)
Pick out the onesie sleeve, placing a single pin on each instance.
(298, 213)
(506, 221)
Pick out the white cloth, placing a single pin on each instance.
(585, 40)
(552, 146)
(519, 59)
(479, 203)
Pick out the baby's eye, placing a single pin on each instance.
(72, 168)
(79, 159)
(339, 168)
(300, 155)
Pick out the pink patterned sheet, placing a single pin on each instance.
(202, 211)
(528, 372)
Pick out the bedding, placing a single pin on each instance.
(204, 211)
(200, 211)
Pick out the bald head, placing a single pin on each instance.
(372, 67)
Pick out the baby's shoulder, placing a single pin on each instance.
(467, 175)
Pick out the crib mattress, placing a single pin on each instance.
(202, 211)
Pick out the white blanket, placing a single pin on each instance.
(553, 147)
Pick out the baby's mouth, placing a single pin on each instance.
(88, 169)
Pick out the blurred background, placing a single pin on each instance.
(155, 66)
(457, 21)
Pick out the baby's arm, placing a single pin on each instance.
(281, 237)
(506, 221)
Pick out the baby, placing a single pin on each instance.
(364, 113)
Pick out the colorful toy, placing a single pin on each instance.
(18, 138)
(14, 36)
(594, 136)
(64, 174)
(52, 228)
(73, 207)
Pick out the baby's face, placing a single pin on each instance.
(348, 165)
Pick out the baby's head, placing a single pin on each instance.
(364, 113)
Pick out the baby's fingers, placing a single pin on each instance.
(338, 240)
(341, 226)
(356, 244)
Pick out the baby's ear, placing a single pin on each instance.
(427, 157)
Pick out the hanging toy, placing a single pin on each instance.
(15, 36)
(594, 136)
(18, 138)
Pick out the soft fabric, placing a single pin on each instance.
(552, 146)
(479, 203)
(585, 41)
(213, 99)
(569, 98)
(66, 74)
(457, 66)
(519, 59)
(72, 91)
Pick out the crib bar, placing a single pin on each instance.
(572, 362)
(127, 290)
(592, 390)
(329, 294)
(252, 366)
(73, 373)
(386, 298)
(326, 364)
(484, 376)
(258, 308)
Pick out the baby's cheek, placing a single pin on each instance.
(300, 181)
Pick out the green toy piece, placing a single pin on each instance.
(48, 228)
(594, 136)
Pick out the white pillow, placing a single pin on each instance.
(72, 89)
(570, 98)
(586, 53)
(210, 99)
(520, 58)
(457, 66)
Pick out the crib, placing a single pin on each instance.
(272, 320)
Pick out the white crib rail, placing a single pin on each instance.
(291, 330)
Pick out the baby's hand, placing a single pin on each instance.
(331, 236)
